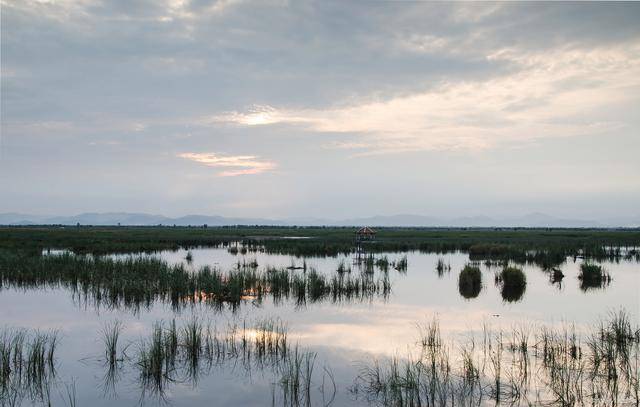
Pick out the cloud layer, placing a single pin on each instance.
(558, 94)
(231, 165)
(350, 102)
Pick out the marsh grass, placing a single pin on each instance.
(382, 263)
(521, 245)
(27, 365)
(593, 276)
(423, 380)
(343, 268)
(137, 281)
(470, 281)
(111, 336)
(70, 396)
(296, 373)
(512, 282)
(523, 366)
(442, 267)
(401, 264)
(556, 276)
(114, 355)
(172, 354)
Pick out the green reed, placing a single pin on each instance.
(470, 281)
(138, 281)
(593, 276)
(27, 365)
(536, 366)
(512, 282)
(442, 267)
(172, 354)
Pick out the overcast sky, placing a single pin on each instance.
(324, 109)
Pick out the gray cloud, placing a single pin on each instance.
(94, 91)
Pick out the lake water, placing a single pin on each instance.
(345, 336)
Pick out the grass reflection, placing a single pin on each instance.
(543, 366)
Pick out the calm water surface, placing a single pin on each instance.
(345, 336)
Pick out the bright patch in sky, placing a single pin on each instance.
(231, 165)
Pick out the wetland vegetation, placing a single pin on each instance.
(470, 281)
(138, 281)
(518, 244)
(27, 366)
(184, 312)
(525, 365)
(598, 368)
(512, 282)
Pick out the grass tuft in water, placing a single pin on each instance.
(593, 276)
(442, 267)
(110, 336)
(470, 281)
(512, 282)
(173, 354)
(27, 365)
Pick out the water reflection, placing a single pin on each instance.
(556, 276)
(593, 276)
(138, 282)
(512, 282)
(442, 267)
(522, 366)
(512, 293)
(27, 366)
(172, 355)
(187, 278)
(594, 284)
(335, 329)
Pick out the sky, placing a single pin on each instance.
(320, 109)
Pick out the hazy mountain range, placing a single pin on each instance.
(143, 219)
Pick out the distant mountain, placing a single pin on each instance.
(394, 220)
(403, 220)
(308, 220)
(110, 218)
(529, 220)
(19, 219)
(132, 219)
(537, 219)
(222, 221)
(478, 221)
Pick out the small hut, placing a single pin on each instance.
(365, 234)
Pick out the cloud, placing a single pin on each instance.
(94, 88)
(232, 165)
(255, 116)
(560, 93)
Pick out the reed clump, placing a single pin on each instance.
(470, 281)
(512, 282)
(442, 267)
(27, 365)
(174, 354)
(401, 264)
(382, 263)
(423, 380)
(343, 268)
(111, 338)
(593, 276)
